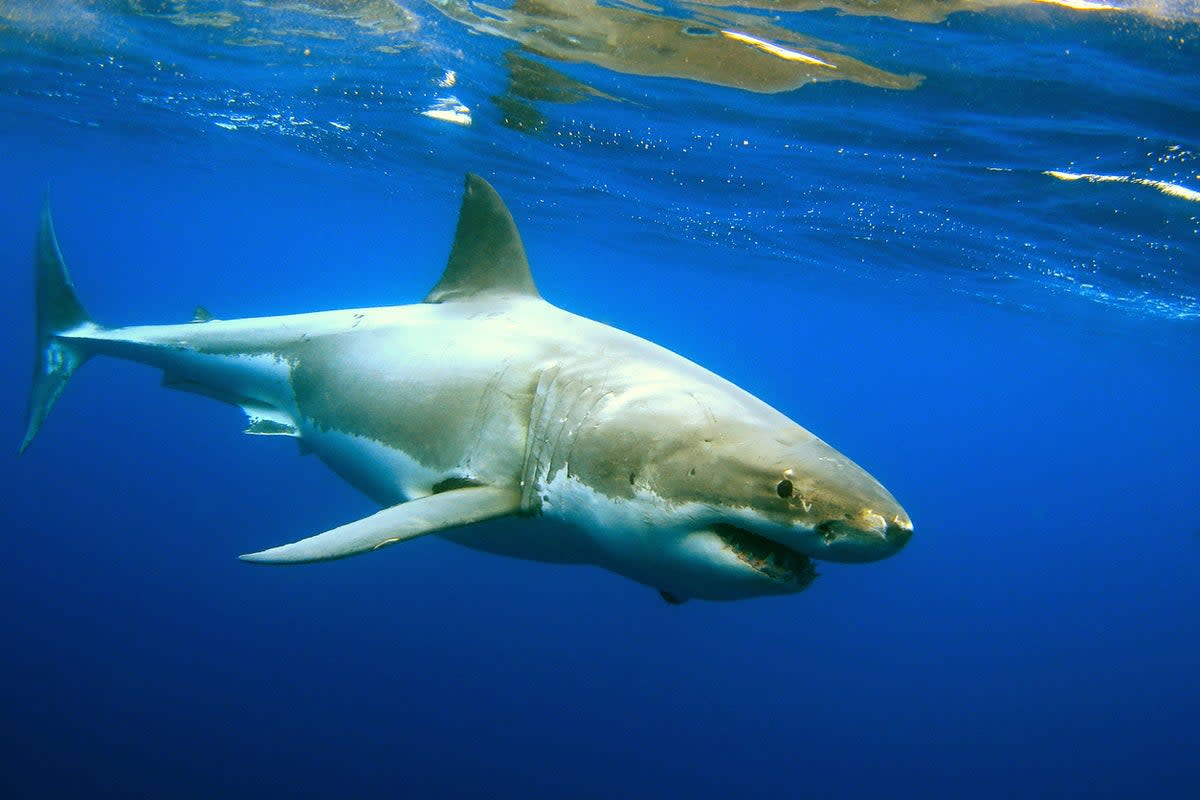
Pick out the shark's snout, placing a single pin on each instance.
(866, 536)
(899, 530)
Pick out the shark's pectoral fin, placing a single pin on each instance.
(432, 514)
(672, 599)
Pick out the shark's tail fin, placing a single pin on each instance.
(59, 312)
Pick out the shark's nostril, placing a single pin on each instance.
(870, 522)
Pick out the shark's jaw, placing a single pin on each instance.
(767, 557)
(688, 550)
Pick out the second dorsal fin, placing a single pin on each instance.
(487, 258)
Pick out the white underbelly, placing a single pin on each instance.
(386, 475)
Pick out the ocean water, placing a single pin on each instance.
(957, 240)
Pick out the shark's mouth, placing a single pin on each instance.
(767, 557)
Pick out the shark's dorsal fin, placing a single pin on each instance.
(487, 258)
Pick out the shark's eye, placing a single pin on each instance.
(784, 488)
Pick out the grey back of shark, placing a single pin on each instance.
(492, 418)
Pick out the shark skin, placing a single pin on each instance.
(493, 418)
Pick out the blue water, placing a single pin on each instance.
(1013, 354)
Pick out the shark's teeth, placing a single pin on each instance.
(766, 556)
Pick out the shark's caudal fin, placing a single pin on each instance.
(487, 258)
(58, 312)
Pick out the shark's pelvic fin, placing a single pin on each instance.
(487, 257)
(262, 419)
(58, 312)
(437, 512)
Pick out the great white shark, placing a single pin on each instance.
(492, 418)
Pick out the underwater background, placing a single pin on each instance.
(957, 240)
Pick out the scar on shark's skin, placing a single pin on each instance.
(496, 420)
